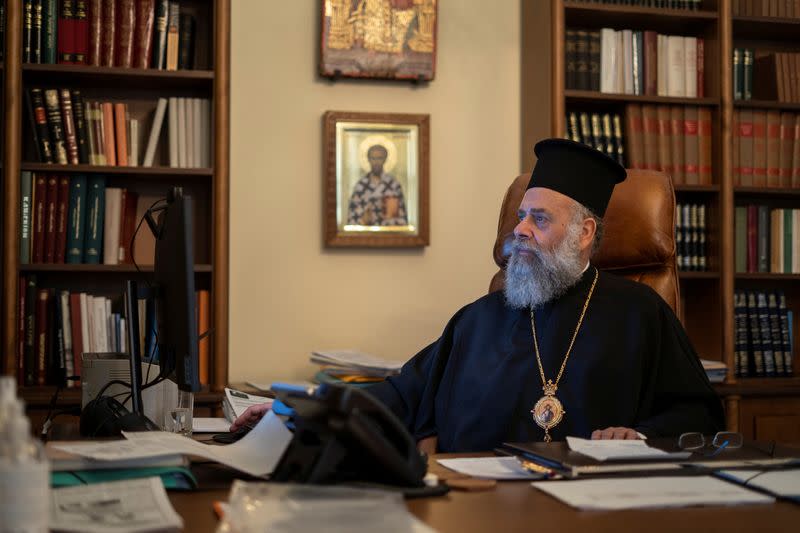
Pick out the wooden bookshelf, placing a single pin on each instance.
(210, 185)
(706, 297)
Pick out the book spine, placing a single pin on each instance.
(752, 238)
(676, 69)
(746, 146)
(763, 238)
(107, 121)
(690, 67)
(145, 18)
(627, 62)
(679, 244)
(126, 22)
(76, 320)
(81, 31)
(111, 224)
(650, 136)
(597, 136)
(66, 35)
(569, 59)
(693, 238)
(788, 241)
(95, 213)
(22, 288)
(594, 54)
(773, 132)
(70, 137)
(81, 131)
(677, 144)
(91, 141)
(128, 226)
(704, 137)
(755, 335)
(172, 124)
(31, 293)
(691, 145)
(766, 335)
(41, 336)
(203, 325)
(702, 260)
(636, 61)
(121, 134)
(49, 32)
(747, 74)
(56, 126)
(738, 73)
(608, 60)
(786, 139)
(39, 216)
(76, 220)
(34, 129)
(27, 31)
(776, 241)
(187, 37)
(160, 34)
(55, 341)
(51, 203)
(700, 91)
(173, 36)
(775, 333)
(36, 36)
(66, 329)
(39, 127)
(616, 121)
(650, 63)
(664, 137)
(742, 363)
(61, 219)
(108, 33)
(737, 167)
(796, 153)
(786, 335)
(25, 226)
(740, 238)
(94, 56)
(608, 137)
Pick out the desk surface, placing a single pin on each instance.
(516, 506)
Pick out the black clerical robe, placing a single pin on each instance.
(632, 365)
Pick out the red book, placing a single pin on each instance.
(126, 21)
(704, 136)
(746, 147)
(676, 143)
(143, 37)
(691, 145)
(108, 33)
(773, 149)
(737, 167)
(51, 199)
(752, 238)
(95, 32)
(77, 331)
(71, 138)
(39, 217)
(701, 74)
(787, 139)
(40, 350)
(81, 30)
(650, 63)
(65, 30)
(796, 153)
(21, 332)
(61, 218)
(759, 148)
(129, 203)
(121, 133)
(633, 138)
(203, 325)
(650, 136)
(108, 133)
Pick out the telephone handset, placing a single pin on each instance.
(343, 433)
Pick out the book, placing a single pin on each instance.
(39, 217)
(76, 323)
(740, 239)
(747, 73)
(81, 32)
(160, 34)
(690, 67)
(746, 146)
(143, 34)
(31, 299)
(191, 128)
(735, 164)
(155, 132)
(94, 55)
(203, 327)
(754, 335)
(129, 220)
(759, 148)
(738, 74)
(627, 62)
(133, 142)
(25, 216)
(27, 31)
(608, 135)
(109, 139)
(773, 132)
(61, 218)
(111, 225)
(172, 124)
(570, 52)
(775, 333)
(36, 31)
(795, 180)
(691, 145)
(173, 35)
(56, 127)
(34, 101)
(66, 32)
(76, 219)
(752, 238)
(677, 145)
(70, 136)
(22, 288)
(650, 63)
(765, 334)
(664, 140)
(81, 130)
(702, 261)
(786, 335)
(121, 134)
(608, 61)
(700, 90)
(41, 336)
(51, 203)
(763, 238)
(108, 40)
(206, 137)
(594, 57)
(650, 136)
(95, 216)
(788, 241)
(676, 69)
(126, 21)
(704, 154)
(786, 136)
(186, 39)
(741, 355)
(66, 335)
(680, 246)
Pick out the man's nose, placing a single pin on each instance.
(524, 230)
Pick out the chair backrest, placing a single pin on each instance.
(639, 240)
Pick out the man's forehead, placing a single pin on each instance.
(542, 198)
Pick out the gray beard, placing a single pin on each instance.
(533, 280)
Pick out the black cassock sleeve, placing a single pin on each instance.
(677, 396)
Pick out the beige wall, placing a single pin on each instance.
(289, 294)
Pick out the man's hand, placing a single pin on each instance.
(615, 433)
(250, 417)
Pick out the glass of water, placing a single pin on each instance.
(178, 417)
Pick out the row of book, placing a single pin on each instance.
(56, 327)
(763, 326)
(777, 77)
(77, 219)
(743, 73)
(110, 33)
(602, 132)
(767, 240)
(693, 5)
(672, 139)
(66, 129)
(766, 8)
(690, 237)
(766, 148)
(635, 62)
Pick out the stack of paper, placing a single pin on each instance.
(715, 370)
(236, 403)
(351, 362)
(616, 450)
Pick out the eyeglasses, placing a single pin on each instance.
(722, 440)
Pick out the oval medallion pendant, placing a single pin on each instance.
(547, 412)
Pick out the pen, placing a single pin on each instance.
(530, 466)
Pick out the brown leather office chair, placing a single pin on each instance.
(639, 240)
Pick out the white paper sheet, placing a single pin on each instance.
(778, 482)
(489, 467)
(611, 450)
(635, 493)
(119, 506)
(210, 425)
(239, 401)
(257, 453)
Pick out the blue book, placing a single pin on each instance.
(25, 226)
(76, 211)
(787, 325)
(95, 214)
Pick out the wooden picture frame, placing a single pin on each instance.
(378, 39)
(376, 179)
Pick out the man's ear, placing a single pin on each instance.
(588, 231)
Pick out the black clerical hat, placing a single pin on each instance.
(584, 174)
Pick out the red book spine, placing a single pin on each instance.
(752, 238)
(701, 69)
(61, 218)
(704, 136)
(77, 332)
(50, 219)
(41, 335)
(95, 32)
(66, 36)
(128, 226)
(746, 147)
(108, 37)
(21, 332)
(71, 139)
(81, 29)
(143, 41)
(39, 217)
(773, 149)
(126, 18)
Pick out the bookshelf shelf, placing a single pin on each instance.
(41, 396)
(688, 274)
(767, 104)
(136, 171)
(766, 28)
(113, 77)
(760, 191)
(766, 276)
(95, 269)
(777, 386)
(573, 96)
(621, 16)
(697, 188)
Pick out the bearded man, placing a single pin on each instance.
(565, 350)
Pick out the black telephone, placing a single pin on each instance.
(344, 434)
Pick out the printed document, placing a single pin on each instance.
(489, 467)
(611, 450)
(614, 494)
(119, 506)
(236, 402)
(785, 483)
(257, 453)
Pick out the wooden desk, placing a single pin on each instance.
(516, 506)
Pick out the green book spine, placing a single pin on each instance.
(788, 250)
(49, 31)
(747, 74)
(95, 213)
(741, 239)
(763, 238)
(77, 219)
(737, 74)
(25, 199)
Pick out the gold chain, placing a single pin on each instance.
(574, 334)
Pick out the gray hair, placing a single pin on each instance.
(580, 213)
